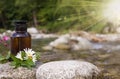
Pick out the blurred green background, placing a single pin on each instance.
(54, 15)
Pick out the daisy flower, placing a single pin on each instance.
(19, 56)
(30, 54)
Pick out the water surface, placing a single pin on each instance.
(106, 56)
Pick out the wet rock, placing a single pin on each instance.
(47, 48)
(118, 30)
(32, 30)
(37, 36)
(63, 46)
(80, 43)
(89, 36)
(109, 37)
(41, 36)
(64, 39)
(50, 36)
(8, 72)
(61, 42)
(69, 69)
(71, 42)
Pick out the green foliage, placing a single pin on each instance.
(74, 14)
(53, 14)
(2, 30)
(16, 62)
(24, 63)
(37, 55)
(4, 59)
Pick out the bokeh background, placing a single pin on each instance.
(61, 15)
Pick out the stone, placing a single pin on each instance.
(109, 37)
(64, 39)
(81, 44)
(38, 36)
(118, 30)
(32, 30)
(9, 72)
(67, 69)
(63, 46)
(72, 42)
(50, 36)
(47, 47)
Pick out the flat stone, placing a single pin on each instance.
(68, 69)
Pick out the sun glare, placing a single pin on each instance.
(112, 11)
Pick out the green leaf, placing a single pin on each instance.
(8, 55)
(23, 54)
(27, 63)
(16, 64)
(3, 59)
(15, 59)
(37, 55)
(30, 62)
(13, 63)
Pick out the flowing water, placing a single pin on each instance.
(106, 56)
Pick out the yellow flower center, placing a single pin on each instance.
(30, 57)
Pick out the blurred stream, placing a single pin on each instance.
(105, 55)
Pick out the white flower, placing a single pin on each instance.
(19, 56)
(30, 54)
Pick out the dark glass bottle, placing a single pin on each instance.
(21, 39)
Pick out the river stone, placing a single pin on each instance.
(32, 30)
(8, 72)
(68, 69)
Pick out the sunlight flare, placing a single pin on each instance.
(112, 12)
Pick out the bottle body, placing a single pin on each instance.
(20, 41)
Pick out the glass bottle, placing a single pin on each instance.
(21, 39)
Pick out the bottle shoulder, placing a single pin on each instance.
(21, 34)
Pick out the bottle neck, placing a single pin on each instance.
(21, 28)
(20, 31)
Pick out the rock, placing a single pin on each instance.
(32, 30)
(81, 43)
(58, 46)
(47, 48)
(109, 37)
(8, 72)
(63, 46)
(69, 69)
(49, 36)
(118, 30)
(64, 39)
(9, 32)
(40, 36)
(68, 41)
